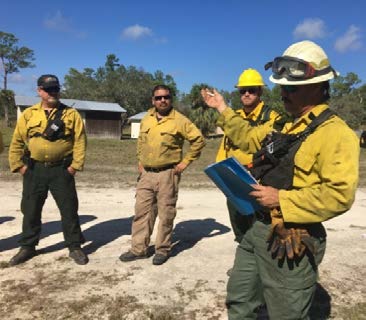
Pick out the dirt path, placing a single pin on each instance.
(191, 285)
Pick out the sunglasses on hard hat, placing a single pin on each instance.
(159, 98)
(295, 68)
(250, 90)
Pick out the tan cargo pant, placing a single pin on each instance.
(156, 195)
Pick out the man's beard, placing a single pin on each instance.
(164, 112)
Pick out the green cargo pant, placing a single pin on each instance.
(239, 223)
(288, 288)
(37, 181)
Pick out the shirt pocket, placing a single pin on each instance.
(171, 139)
(144, 131)
(68, 126)
(34, 126)
(304, 161)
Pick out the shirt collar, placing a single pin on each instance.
(254, 114)
(152, 112)
(301, 123)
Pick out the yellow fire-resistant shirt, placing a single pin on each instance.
(160, 143)
(1, 143)
(228, 149)
(34, 120)
(326, 165)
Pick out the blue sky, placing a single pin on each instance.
(194, 41)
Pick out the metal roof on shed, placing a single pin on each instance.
(138, 116)
(83, 105)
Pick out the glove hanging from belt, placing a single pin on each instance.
(291, 242)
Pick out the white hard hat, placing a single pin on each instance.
(302, 63)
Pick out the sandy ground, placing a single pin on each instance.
(191, 285)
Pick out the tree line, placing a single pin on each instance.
(131, 87)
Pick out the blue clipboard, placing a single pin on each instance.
(235, 181)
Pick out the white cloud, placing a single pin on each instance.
(61, 24)
(57, 22)
(310, 28)
(350, 41)
(16, 78)
(135, 32)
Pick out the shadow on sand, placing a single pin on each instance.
(186, 234)
(99, 235)
(48, 228)
(6, 219)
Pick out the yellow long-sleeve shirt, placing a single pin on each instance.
(228, 149)
(34, 120)
(326, 165)
(160, 143)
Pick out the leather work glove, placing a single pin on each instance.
(288, 241)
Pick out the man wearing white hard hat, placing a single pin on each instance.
(308, 173)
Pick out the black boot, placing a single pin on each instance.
(129, 256)
(78, 256)
(159, 259)
(24, 254)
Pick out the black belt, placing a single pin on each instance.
(152, 169)
(49, 164)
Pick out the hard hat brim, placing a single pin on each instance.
(325, 77)
(251, 85)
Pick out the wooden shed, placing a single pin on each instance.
(101, 119)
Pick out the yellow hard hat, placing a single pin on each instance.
(303, 62)
(250, 78)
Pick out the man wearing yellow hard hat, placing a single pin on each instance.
(254, 111)
(308, 173)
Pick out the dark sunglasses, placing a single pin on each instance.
(250, 90)
(52, 89)
(289, 89)
(159, 98)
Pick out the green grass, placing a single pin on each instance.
(112, 162)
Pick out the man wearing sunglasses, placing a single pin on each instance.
(308, 173)
(160, 163)
(47, 149)
(254, 111)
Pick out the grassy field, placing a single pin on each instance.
(112, 162)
